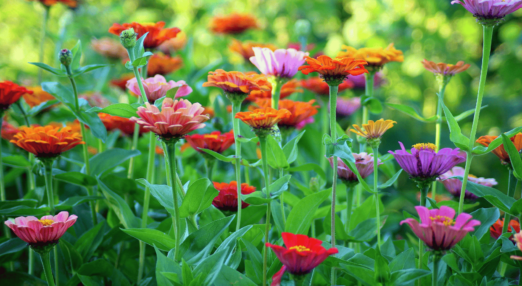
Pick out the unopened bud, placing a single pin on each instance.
(128, 38)
(314, 184)
(66, 57)
(302, 28)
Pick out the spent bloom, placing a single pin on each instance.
(37, 97)
(454, 185)
(500, 151)
(300, 112)
(375, 57)
(263, 119)
(237, 85)
(233, 24)
(438, 228)
(47, 141)
(347, 106)
(245, 49)
(320, 87)
(364, 164)
(109, 48)
(334, 71)
(163, 65)
(10, 93)
(281, 63)
(157, 34)
(496, 228)
(288, 88)
(226, 200)
(493, 10)
(156, 87)
(445, 69)
(215, 141)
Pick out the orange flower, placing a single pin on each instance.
(109, 48)
(126, 126)
(107, 121)
(37, 97)
(245, 49)
(47, 141)
(263, 119)
(500, 151)
(233, 24)
(445, 69)
(163, 64)
(320, 87)
(376, 57)
(300, 112)
(8, 130)
(122, 81)
(334, 71)
(373, 130)
(215, 141)
(237, 83)
(10, 93)
(209, 111)
(156, 34)
(287, 89)
(174, 44)
(496, 228)
(92, 150)
(69, 3)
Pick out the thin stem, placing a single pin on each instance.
(55, 251)
(48, 176)
(376, 190)
(486, 51)
(424, 194)
(281, 199)
(170, 155)
(140, 85)
(209, 164)
(438, 125)
(434, 276)
(247, 175)
(324, 130)
(333, 135)
(236, 107)
(264, 152)
(2, 185)
(510, 193)
(31, 262)
(349, 204)
(45, 17)
(135, 137)
(46, 262)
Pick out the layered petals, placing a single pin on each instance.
(282, 63)
(163, 65)
(37, 97)
(454, 186)
(334, 71)
(157, 34)
(375, 57)
(263, 118)
(46, 230)
(300, 112)
(10, 92)
(363, 163)
(320, 87)
(496, 228)
(47, 141)
(215, 141)
(245, 49)
(289, 88)
(373, 129)
(500, 151)
(490, 9)
(156, 87)
(445, 69)
(237, 82)
(226, 200)
(233, 24)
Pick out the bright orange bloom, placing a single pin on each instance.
(263, 118)
(209, 111)
(92, 150)
(109, 48)
(334, 71)
(373, 130)
(496, 229)
(215, 141)
(174, 44)
(37, 97)
(500, 151)
(47, 141)
(237, 82)
(69, 3)
(287, 89)
(156, 33)
(8, 130)
(376, 57)
(445, 69)
(122, 81)
(300, 112)
(163, 65)
(233, 24)
(245, 49)
(10, 92)
(320, 87)
(107, 121)
(125, 125)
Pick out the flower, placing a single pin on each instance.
(237, 83)
(95, 99)
(8, 130)
(364, 164)
(375, 57)
(245, 49)
(438, 197)
(282, 63)
(174, 44)
(518, 241)
(37, 97)
(125, 125)
(215, 141)
(48, 3)
(163, 65)
(156, 87)
(320, 87)
(300, 112)
(47, 141)
(122, 81)
(209, 111)
(289, 88)
(496, 228)
(297, 46)
(42, 232)
(347, 106)
(109, 48)
(438, 229)
(334, 71)
(359, 81)
(490, 9)
(10, 93)
(156, 33)
(263, 119)
(445, 69)
(301, 254)
(424, 164)
(373, 130)
(454, 186)
(233, 24)
(176, 119)
(500, 151)
(226, 200)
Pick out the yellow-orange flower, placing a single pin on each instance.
(109, 48)
(174, 44)
(500, 151)
(287, 89)
(334, 71)
(69, 3)
(163, 64)
(375, 57)
(300, 112)
(263, 118)
(245, 49)
(47, 141)
(445, 69)
(233, 24)
(38, 96)
(373, 130)
(237, 82)
(156, 33)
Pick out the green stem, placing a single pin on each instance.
(209, 164)
(2, 185)
(31, 262)
(264, 152)
(281, 198)
(134, 146)
(333, 135)
(277, 84)
(247, 175)
(376, 190)
(486, 50)
(55, 251)
(140, 85)
(349, 204)
(236, 107)
(438, 125)
(48, 176)
(170, 155)
(46, 262)
(324, 130)
(42, 39)
(424, 194)
(510, 193)
(434, 276)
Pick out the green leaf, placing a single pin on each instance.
(50, 69)
(60, 92)
(102, 162)
(309, 167)
(351, 165)
(21, 202)
(76, 52)
(276, 189)
(495, 197)
(138, 48)
(230, 276)
(514, 156)
(21, 278)
(71, 202)
(487, 217)
(120, 109)
(340, 232)
(210, 267)
(218, 156)
(456, 136)
(87, 68)
(165, 264)
(391, 181)
(75, 178)
(481, 150)
(142, 60)
(374, 105)
(120, 207)
(382, 270)
(152, 237)
(24, 211)
(199, 197)
(89, 241)
(93, 121)
(275, 154)
(301, 216)
(411, 112)
(163, 194)
(291, 149)
(467, 113)
(42, 106)
(341, 149)
(365, 231)
(72, 258)
(407, 276)
(17, 161)
(12, 245)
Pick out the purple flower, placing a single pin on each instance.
(438, 229)
(157, 87)
(424, 164)
(364, 164)
(455, 185)
(347, 106)
(281, 63)
(359, 81)
(490, 9)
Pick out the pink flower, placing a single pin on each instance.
(281, 63)
(364, 164)
(176, 118)
(518, 241)
(41, 232)
(347, 106)
(438, 229)
(490, 9)
(454, 186)
(156, 87)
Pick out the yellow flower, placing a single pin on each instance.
(373, 130)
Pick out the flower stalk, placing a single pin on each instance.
(434, 276)
(349, 205)
(236, 107)
(376, 190)
(442, 88)
(510, 193)
(170, 155)
(333, 134)
(264, 152)
(46, 262)
(424, 193)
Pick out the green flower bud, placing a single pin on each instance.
(302, 28)
(128, 38)
(66, 57)
(314, 185)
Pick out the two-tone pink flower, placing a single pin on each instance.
(363, 163)
(454, 186)
(157, 87)
(282, 63)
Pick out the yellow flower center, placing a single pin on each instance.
(300, 248)
(472, 176)
(210, 136)
(46, 222)
(425, 146)
(443, 219)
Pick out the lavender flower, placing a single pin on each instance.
(490, 9)
(454, 186)
(347, 106)
(282, 63)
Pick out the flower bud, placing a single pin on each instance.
(128, 38)
(314, 185)
(66, 57)
(302, 28)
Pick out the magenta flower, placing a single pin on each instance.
(281, 63)
(347, 106)
(438, 229)
(454, 186)
(490, 9)
(176, 118)
(424, 164)
(156, 87)
(364, 164)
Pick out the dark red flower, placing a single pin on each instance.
(214, 141)
(10, 92)
(227, 198)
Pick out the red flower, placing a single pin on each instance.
(214, 141)
(157, 35)
(320, 87)
(121, 82)
(233, 24)
(9, 93)
(8, 130)
(227, 198)
(496, 228)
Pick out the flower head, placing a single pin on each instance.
(438, 228)
(215, 141)
(445, 69)
(8, 130)
(246, 49)
(496, 228)
(226, 200)
(373, 130)
(500, 151)
(121, 82)
(10, 93)
(174, 44)
(163, 65)
(125, 125)
(156, 32)
(156, 87)
(334, 71)
(263, 119)
(49, 3)
(109, 48)
(364, 164)
(37, 97)
(289, 88)
(233, 24)
(300, 112)
(47, 141)
(176, 119)
(490, 9)
(282, 63)
(320, 87)
(359, 81)
(347, 106)
(375, 57)
(237, 84)
(454, 186)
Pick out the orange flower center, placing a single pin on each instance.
(210, 137)
(300, 248)
(46, 222)
(443, 219)
(425, 146)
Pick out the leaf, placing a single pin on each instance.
(309, 167)
(411, 112)
(102, 162)
(138, 48)
(456, 136)
(118, 109)
(12, 245)
(42, 106)
(199, 197)
(89, 241)
(21, 278)
(275, 155)
(50, 69)
(495, 197)
(120, 207)
(406, 276)
(210, 267)
(487, 217)
(165, 264)
(481, 150)
(71, 256)
(219, 156)
(467, 113)
(60, 92)
(76, 52)
(24, 211)
(17, 161)
(87, 68)
(163, 194)
(514, 156)
(301, 216)
(71, 202)
(75, 178)
(382, 270)
(93, 121)
(142, 60)
(374, 105)
(152, 237)
(351, 165)
(341, 149)
(229, 276)
(291, 150)
(391, 181)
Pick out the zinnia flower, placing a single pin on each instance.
(438, 229)
(320, 87)
(156, 33)
(500, 151)
(8, 130)
(174, 44)
(237, 85)
(121, 82)
(245, 49)
(375, 57)
(215, 141)
(373, 129)
(490, 9)
(125, 125)
(300, 256)
(364, 164)
(233, 24)
(518, 241)
(445, 69)
(300, 112)
(157, 87)
(10, 93)
(263, 119)
(334, 71)
(454, 186)
(424, 164)
(176, 119)
(109, 48)
(209, 111)
(359, 81)
(347, 106)
(48, 3)
(163, 65)
(37, 97)
(496, 228)
(279, 63)
(289, 88)
(47, 141)
(226, 200)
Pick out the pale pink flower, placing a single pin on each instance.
(280, 63)
(363, 163)
(46, 230)
(490, 9)
(518, 241)
(156, 87)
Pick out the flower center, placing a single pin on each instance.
(300, 248)
(443, 219)
(46, 222)
(210, 136)
(425, 146)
